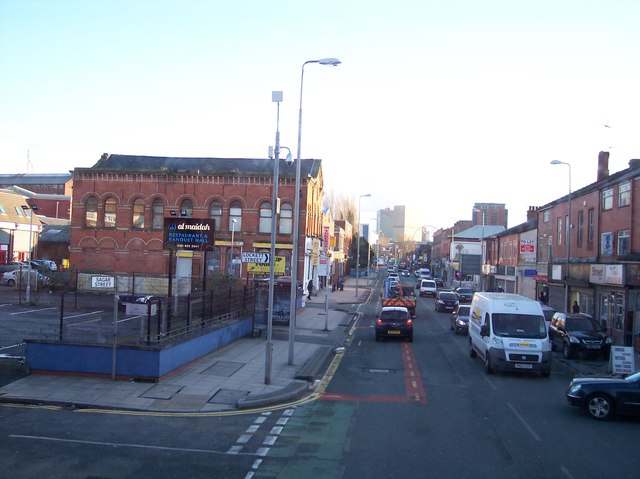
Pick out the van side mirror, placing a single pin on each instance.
(484, 330)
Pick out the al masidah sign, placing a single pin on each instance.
(192, 234)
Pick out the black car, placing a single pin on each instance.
(460, 319)
(465, 295)
(578, 333)
(602, 397)
(446, 301)
(394, 322)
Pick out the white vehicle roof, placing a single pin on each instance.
(394, 308)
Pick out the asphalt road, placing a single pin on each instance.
(389, 409)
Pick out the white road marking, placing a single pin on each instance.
(526, 425)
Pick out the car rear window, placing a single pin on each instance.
(448, 296)
(464, 310)
(393, 316)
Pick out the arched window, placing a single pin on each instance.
(286, 219)
(265, 218)
(91, 212)
(110, 213)
(137, 221)
(235, 213)
(158, 214)
(186, 208)
(215, 213)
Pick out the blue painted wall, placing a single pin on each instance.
(130, 362)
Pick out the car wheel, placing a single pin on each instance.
(600, 406)
(11, 282)
(487, 363)
(410, 338)
(472, 352)
(566, 350)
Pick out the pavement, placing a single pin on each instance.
(231, 378)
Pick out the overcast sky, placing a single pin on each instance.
(437, 104)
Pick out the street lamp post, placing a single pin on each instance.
(31, 209)
(277, 98)
(296, 215)
(367, 195)
(568, 238)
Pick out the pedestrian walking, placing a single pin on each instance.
(310, 288)
(575, 308)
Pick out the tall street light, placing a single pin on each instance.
(276, 97)
(296, 215)
(368, 195)
(31, 209)
(568, 239)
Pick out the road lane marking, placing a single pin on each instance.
(524, 423)
(31, 311)
(132, 445)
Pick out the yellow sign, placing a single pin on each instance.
(260, 268)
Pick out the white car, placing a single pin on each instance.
(12, 277)
(394, 277)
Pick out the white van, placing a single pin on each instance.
(509, 333)
(428, 287)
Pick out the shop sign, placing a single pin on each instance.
(606, 274)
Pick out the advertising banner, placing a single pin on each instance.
(189, 233)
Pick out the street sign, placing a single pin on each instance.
(260, 258)
(261, 268)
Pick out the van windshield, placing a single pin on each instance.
(519, 326)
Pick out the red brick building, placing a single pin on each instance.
(119, 206)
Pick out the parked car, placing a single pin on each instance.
(603, 397)
(427, 287)
(465, 295)
(578, 333)
(11, 266)
(46, 264)
(394, 322)
(460, 319)
(446, 301)
(11, 278)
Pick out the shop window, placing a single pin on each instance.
(623, 242)
(91, 212)
(158, 214)
(607, 199)
(186, 208)
(137, 220)
(624, 194)
(286, 219)
(579, 235)
(264, 226)
(235, 213)
(110, 213)
(215, 213)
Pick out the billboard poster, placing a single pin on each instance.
(194, 234)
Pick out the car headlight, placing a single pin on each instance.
(574, 389)
(546, 345)
(574, 340)
(497, 343)
(460, 322)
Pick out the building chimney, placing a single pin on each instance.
(635, 163)
(532, 213)
(603, 165)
